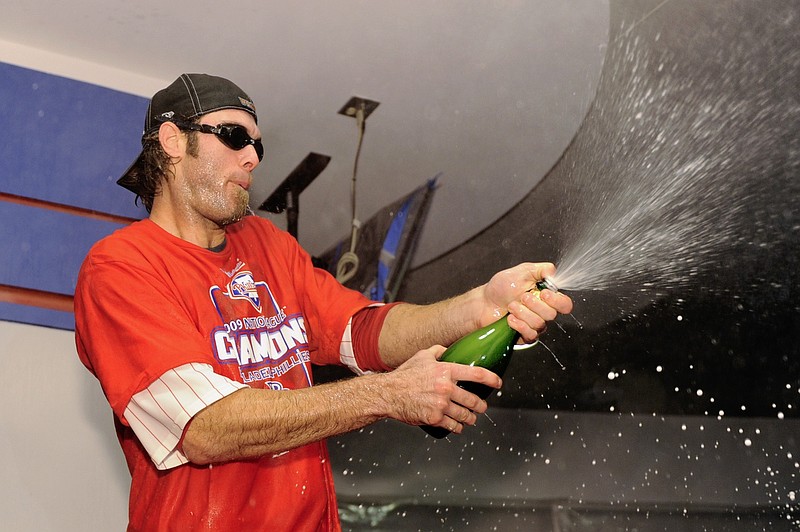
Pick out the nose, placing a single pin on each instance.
(249, 158)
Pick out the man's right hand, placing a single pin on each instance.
(424, 391)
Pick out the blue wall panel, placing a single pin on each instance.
(67, 141)
(44, 249)
(37, 316)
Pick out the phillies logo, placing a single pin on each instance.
(243, 286)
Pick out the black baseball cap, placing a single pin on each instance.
(186, 98)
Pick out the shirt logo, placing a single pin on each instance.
(243, 286)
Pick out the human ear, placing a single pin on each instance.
(170, 137)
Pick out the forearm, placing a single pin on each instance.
(409, 328)
(251, 423)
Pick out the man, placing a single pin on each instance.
(201, 323)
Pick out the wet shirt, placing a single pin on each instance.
(257, 313)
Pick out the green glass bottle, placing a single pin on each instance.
(489, 347)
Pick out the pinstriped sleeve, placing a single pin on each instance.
(159, 413)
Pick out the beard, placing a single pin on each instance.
(240, 209)
(210, 194)
(222, 206)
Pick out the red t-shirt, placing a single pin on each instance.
(259, 313)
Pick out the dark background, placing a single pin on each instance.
(723, 334)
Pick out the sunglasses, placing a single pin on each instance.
(233, 136)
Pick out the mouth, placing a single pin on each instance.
(243, 184)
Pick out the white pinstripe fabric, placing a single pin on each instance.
(347, 354)
(159, 413)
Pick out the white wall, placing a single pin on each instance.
(60, 464)
(78, 69)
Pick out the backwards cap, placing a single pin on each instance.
(189, 96)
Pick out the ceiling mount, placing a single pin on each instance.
(355, 103)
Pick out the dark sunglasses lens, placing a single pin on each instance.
(236, 137)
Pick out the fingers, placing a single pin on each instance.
(457, 416)
(458, 419)
(533, 309)
(463, 406)
(436, 350)
(539, 270)
(461, 372)
(543, 270)
(426, 391)
(530, 314)
(557, 300)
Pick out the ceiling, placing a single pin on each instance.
(487, 93)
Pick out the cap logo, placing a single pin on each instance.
(168, 115)
(247, 103)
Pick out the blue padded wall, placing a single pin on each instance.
(67, 142)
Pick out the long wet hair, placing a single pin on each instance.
(155, 166)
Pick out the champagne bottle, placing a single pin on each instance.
(489, 347)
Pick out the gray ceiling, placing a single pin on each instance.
(488, 93)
